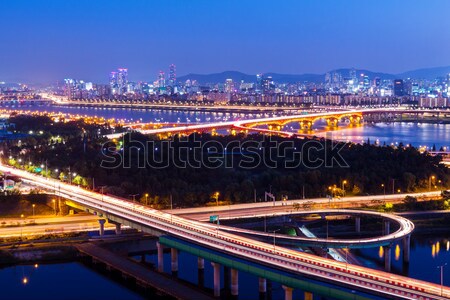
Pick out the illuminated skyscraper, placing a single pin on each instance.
(259, 83)
(229, 86)
(399, 88)
(69, 88)
(122, 80)
(113, 79)
(172, 75)
(161, 80)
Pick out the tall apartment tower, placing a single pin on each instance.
(172, 75)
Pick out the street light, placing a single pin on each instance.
(34, 205)
(442, 276)
(429, 182)
(54, 205)
(146, 199)
(134, 197)
(216, 195)
(274, 231)
(343, 186)
(21, 223)
(384, 190)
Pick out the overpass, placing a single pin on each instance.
(288, 267)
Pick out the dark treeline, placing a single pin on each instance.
(236, 167)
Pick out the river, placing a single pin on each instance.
(389, 133)
(74, 280)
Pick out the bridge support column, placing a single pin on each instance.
(160, 250)
(201, 263)
(308, 296)
(305, 125)
(387, 258)
(287, 292)
(201, 271)
(234, 282)
(216, 267)
(118, 228)
(101, 231)
(358, 224)
(262, 285)
(174, 260)
(406, 248)
(387, 227)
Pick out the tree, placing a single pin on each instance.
(410, 202)
(388, 207)
(409, 180)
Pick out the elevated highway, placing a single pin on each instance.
(292, 262)
(406, 227)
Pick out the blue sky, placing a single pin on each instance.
(48, 40)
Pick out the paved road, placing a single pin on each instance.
(258, 209)
(18, 227)
(291, 261)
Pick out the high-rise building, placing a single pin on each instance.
(161, 80)
(122, 80)
(229, 86)
(69, 88)
(448, 85)
(259, 83)
(399, 89)
(268, 84)
(118, 81)
(113, 79)
(172, 75)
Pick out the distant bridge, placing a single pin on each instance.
(275, 125)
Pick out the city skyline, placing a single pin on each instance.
(296, 37)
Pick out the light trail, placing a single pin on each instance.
(294, 262)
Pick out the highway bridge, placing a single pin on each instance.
(291, 268)
(275, 125)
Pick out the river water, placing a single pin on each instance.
(74, 280)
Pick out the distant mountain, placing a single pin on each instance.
(428, 73)
(371, 74)
(218, 77)
(238, 76)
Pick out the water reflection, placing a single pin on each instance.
(397, 252)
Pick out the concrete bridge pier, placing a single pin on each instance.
(262, 286)
(160, 249)
(308, 296)
(406, 248)
(201, 263)
(287, 292)
(101, 231)
(387, 258)
(305, 125)
(174, 260)
(234, 282)
(201, 271)
(332, 122)
(216, 268)
(118, 228)
(358, 224)
(386, 227)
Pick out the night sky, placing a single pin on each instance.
(86, 39)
